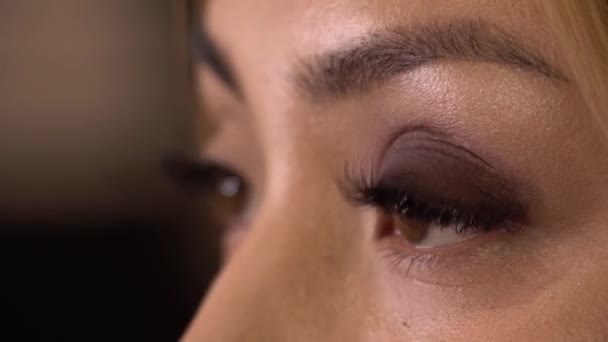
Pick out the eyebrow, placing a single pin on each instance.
(372, 60)
(205, 51)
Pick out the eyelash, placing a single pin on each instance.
(398, 200)
(401, 202)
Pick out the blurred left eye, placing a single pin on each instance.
(224, 192)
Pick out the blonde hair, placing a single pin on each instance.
(583, 30)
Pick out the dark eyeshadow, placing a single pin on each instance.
(440, 172)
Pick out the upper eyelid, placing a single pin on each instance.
(365, 173)
(470, 157)
(466, 151)
(424, 133)
(487, 171)
(452, 140)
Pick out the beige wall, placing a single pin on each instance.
(92, 94)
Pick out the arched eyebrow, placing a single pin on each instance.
(206, 52)
(372, 60)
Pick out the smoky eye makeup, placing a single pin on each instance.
(428, 182)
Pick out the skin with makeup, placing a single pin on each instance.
(399, 171)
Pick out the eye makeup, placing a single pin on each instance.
(426, 181)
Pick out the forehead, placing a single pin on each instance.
(273, 34)
(312, 24)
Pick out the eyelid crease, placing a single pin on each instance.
(466, 151)
(433, 134)
(361, 178)
(365, 173)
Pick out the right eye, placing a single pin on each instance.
(224, 192)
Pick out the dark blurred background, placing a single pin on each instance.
(96, 243)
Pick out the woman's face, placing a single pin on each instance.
(416, 170)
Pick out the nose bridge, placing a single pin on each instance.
(297, 277)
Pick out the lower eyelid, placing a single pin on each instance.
(453, 265)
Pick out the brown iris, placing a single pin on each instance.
(414, 232)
